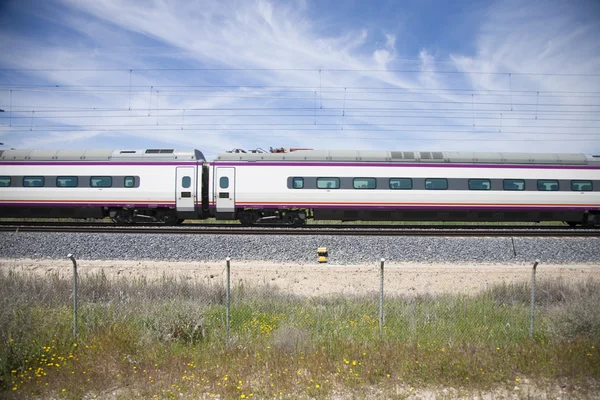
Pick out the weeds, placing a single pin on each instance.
(167, 339)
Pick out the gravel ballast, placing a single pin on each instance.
(298, 249)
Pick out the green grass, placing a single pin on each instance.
(168, 339)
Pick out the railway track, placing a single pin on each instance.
(338, 230)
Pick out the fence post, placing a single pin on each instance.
(535, 264)
(228, 298)
(381, 301)
(75, 330)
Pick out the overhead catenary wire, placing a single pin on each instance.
(396, 116)
(292, 128)
(313, 70)
(341, 125)
(341, 137)
(520, 113)
(311, 89)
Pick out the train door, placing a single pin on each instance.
(225, 192)
(185, 189)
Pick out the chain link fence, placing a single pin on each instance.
(228, 310)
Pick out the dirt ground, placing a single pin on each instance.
(319, 279)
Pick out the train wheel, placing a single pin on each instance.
(122, 217)
(170, 219)
(248, 218)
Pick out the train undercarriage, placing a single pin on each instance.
(132, 216)
(272, 217)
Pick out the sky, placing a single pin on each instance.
(509, 76)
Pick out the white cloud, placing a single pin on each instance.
(280, 60)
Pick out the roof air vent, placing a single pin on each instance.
(409, 154)
(437, 155)
(127, 152)
(425, 155)
(160, 151)
(397, 155)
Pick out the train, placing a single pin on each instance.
(290, 187)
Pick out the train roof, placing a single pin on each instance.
(417, 157)
(102, 155)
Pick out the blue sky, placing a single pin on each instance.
(388, 75)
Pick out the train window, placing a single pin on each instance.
(513, 184)
(4, 181)
(224, 182)
(364, 183)
(186, 182)
(129, 182)
(67, 181)
(101, 181)
(547, 185)
(33, 181)
(581, 186)
(328, 183)
(401, 183)
(480, 184)
(436, 183)
(298, 183)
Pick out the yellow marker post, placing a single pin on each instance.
(322, 252)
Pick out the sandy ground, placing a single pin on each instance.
(319, 279)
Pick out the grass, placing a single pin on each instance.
(167, 339)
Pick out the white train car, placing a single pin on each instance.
(126, 185)
(393, 185)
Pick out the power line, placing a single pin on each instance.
(349, 99)
(48, 109)
(270, 128)
(158, 129)
(313, 70)
(142, 90)
(347, 126)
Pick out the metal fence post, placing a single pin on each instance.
(228, 297)
(75, 330)
(535, 264)
(381, 301)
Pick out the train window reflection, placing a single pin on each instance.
(364, 183)
(401, 183)
(186, 182)
(298, 183)
(101, 181)
(33, 181)
(513, 184)
(67, 181)
(436, 183)
(480, 184)
(129, 182)
(224, 182)
(582, 186)
(328, 183)
(4, 181)
(547, 185)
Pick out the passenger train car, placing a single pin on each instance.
(125, 185)
(290, 187)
